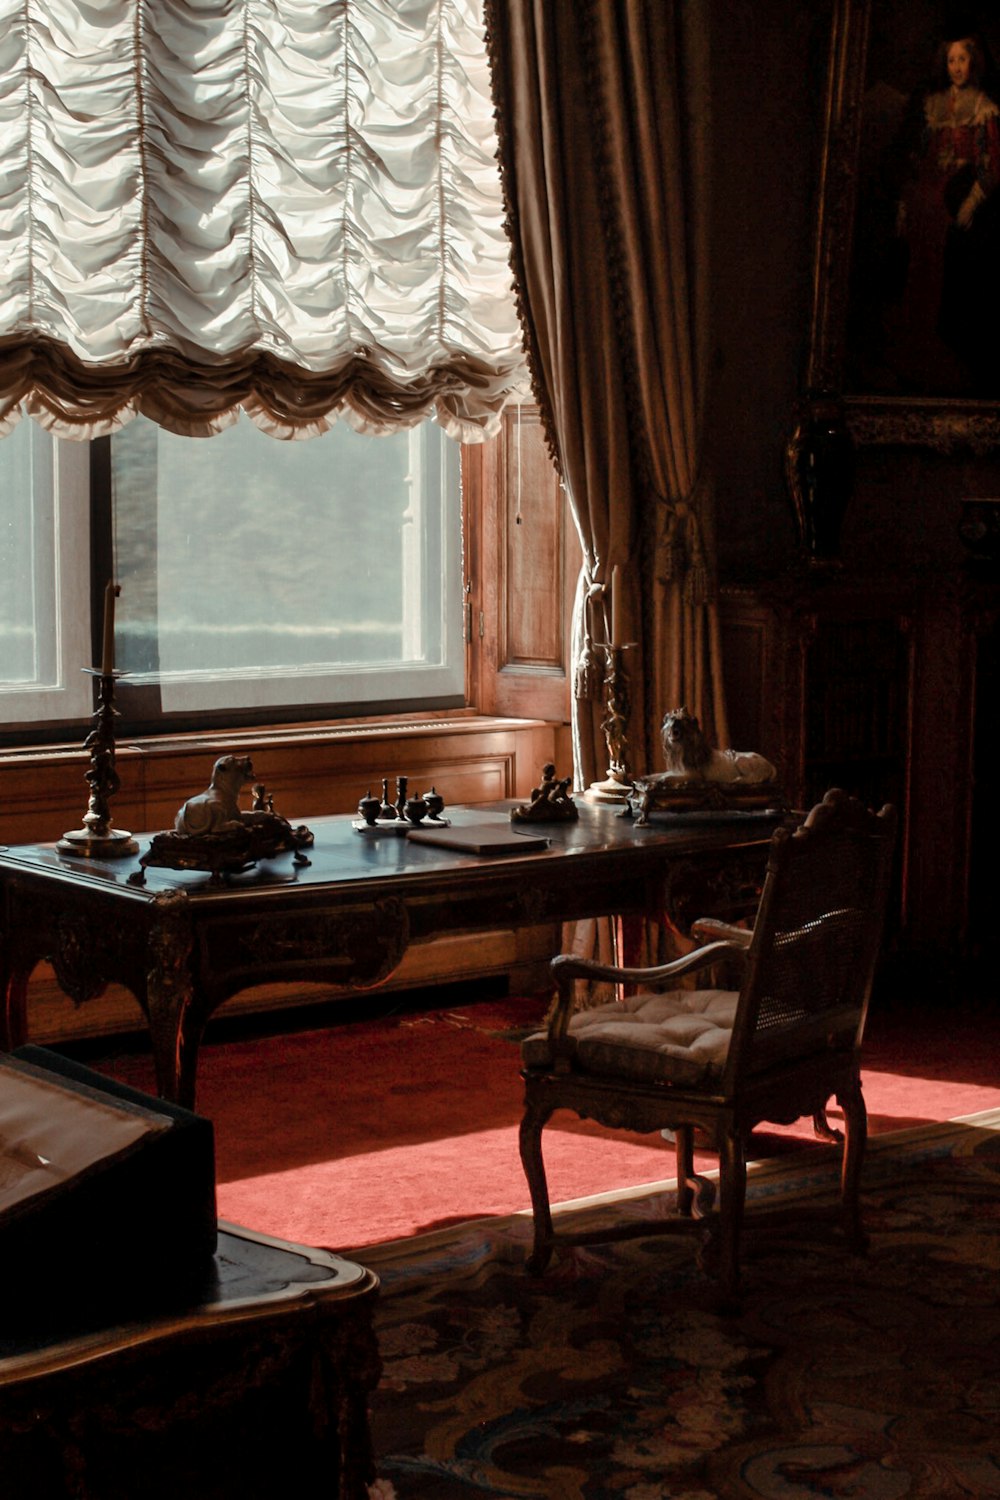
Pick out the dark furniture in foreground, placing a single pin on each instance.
(258, 1388)
(183, 945)
(723, 1061)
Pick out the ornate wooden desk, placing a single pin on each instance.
(183, 945)
(260, 1388)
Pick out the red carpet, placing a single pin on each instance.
(375, 1130)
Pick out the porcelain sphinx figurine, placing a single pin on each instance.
(211, 833)
(217, 809)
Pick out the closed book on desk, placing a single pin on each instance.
(480, 838)
(107, 1195)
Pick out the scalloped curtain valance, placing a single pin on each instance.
(282, 206)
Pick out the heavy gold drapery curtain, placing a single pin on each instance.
(603, 124)
(276, 205)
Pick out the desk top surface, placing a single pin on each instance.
(250, 1275)
(341, 855)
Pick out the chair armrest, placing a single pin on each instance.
(710, 930)
(566, 968)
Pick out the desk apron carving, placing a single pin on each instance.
(359, 947)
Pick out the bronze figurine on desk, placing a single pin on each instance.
(211, 832)
(550, 801)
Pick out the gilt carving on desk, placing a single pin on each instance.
(701, 778)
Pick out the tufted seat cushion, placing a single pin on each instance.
(681, 1037)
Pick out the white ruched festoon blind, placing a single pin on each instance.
(281, 205)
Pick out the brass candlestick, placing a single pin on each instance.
(617, 707)
(97, 838)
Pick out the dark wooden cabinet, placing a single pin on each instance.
(887, 688)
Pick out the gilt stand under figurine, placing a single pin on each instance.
(617, 707)
(97, 839)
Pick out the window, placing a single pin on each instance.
(340, 577)
(333, 270)
(328, 579)
(44, 578)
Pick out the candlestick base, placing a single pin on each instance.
(116, 843)
(609, 790)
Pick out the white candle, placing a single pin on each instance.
(616, 599)
(111, 593)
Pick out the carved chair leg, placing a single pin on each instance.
(530, 1139)
(684, 1152)
(695, 1195)
(852, 1103)
(732, 1197)
(823, 1130)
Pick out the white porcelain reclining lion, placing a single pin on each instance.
(688, 754)
(699, 778)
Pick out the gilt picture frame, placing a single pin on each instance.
(905, 329)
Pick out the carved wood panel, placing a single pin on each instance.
(889, 689)
(528, 571)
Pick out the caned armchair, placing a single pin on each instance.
(723, 1061)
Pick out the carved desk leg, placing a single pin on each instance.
(15, 1020)
(169, 995)
(14, 992)
(346, 1371)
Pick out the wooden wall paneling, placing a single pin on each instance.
(746, 632)
(468, 758)
(878, 685)
(858, 705)
(945, 796)
(981, 829)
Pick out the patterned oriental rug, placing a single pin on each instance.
(617, 1376)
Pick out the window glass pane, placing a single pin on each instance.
(26, 558)
(258, 571)
(44, 578)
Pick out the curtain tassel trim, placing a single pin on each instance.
(588, 674)
(680, 552)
